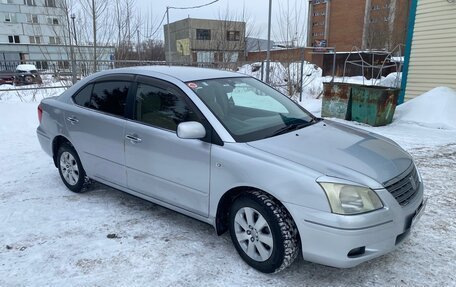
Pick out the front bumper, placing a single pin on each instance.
(346, 241)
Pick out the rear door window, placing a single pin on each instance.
(110, 97)
(82, 98)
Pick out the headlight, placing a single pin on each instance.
(350, 199)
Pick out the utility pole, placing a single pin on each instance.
(73, 61)
(138, 44)
(94, 18)
(169, 36)
(268, 51)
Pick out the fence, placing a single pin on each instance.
(62, 75)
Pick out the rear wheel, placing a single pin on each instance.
(263, 232)
(70, 168)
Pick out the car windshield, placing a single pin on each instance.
(249, 109)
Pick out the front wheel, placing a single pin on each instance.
(70, 168)
(263, 232)
(28, 79)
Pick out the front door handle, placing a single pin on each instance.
(72, 120)
(133, 138)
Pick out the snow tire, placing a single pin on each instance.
(286, 244)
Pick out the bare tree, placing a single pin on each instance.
(383, 29)
(101, 23)
(290, 31)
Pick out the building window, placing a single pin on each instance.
(233, 35)
(50, 3)
(203, 34)
(32, 18)
(10, 17)
(30, 2)
(35, 39)
(54, 40)
(63, 64)
(41, 65)
(375, 7)
(53, 21)
(14, 39)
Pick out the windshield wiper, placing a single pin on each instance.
(292, 127)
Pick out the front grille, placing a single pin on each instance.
(404, 187)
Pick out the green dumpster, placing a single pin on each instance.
(373, 105)
(336, 100)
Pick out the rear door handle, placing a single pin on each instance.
(72, 120)
(133, 138)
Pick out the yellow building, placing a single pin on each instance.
(430, 59)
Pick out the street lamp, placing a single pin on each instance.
(74, 29)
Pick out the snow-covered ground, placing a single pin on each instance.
(33, 93)
(50, 236)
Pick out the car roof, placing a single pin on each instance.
(184, 74)
(26, 67)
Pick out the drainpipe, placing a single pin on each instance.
(408, 50)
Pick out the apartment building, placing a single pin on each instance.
(204, 41)
(36, 31)
(365, 24)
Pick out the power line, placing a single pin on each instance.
(193, 7)
(179, 8)
(159, 25)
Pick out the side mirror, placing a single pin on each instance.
(191, 130)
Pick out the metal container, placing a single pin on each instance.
(336, 100)
(373, 105)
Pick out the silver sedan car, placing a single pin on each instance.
(231, 151)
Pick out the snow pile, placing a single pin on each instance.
(392, 80)
(277, 75)
(286, 77)
(433, 109)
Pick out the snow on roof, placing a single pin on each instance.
(25, 67)
(433, 109)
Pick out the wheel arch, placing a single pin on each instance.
(227, 199)
(56, 143)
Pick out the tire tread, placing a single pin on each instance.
(287, 227)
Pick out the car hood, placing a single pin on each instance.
(338, 150)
